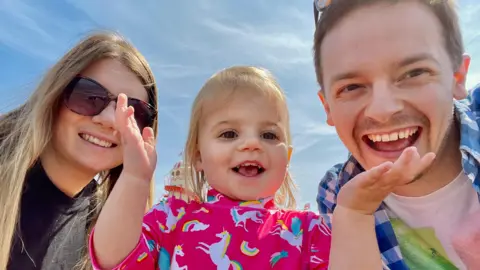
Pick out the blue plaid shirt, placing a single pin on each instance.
(468, 115)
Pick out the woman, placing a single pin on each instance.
(54, 145)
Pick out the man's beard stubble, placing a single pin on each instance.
(452, 135)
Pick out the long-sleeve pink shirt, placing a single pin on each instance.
(225, 234)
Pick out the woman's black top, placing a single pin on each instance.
(51, 233)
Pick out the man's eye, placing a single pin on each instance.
(416, 73)
(350, 87)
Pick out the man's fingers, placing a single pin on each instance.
(405, 158)
(427, 160)
(423, 165)
(408, 167)
(372, 176)
(402, 167)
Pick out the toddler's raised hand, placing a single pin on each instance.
(139, 155)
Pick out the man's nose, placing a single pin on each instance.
(383, 102)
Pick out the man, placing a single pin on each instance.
(392, 76)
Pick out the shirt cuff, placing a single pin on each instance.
(137, 259)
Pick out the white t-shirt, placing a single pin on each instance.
(436, 216)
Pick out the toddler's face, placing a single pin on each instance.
(243, 147)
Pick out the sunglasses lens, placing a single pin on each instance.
(85, 97)
(88, 98)
(144, 115)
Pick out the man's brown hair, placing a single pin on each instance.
(444, 10)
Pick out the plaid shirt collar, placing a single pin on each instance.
(468, 116)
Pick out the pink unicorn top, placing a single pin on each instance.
(225, 234)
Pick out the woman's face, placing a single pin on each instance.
(90, 143)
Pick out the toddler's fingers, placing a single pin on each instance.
(121, 116)
(122, 102)
(132, 122)
(148, 136)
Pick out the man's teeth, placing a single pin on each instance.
(393, 136)
(96, 141)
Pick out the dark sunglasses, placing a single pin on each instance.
(87, 97)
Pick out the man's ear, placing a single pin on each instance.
(326, 107)
(460, 90)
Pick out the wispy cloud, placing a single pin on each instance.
(273, 45)
(23, 28)
(177, 71)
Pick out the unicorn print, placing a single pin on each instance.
(241, 219)
(162, 227)
(203, 209)
(315, 259)
(214, 199)
(152, 245)
(277, 256)
(146, 227)
(177, 252)
(254, 204)
(172, 219)
(320, 223)
(186, 235)
(249, 251)
(161, 206)
(194, 226)
(293, 235)
(164, 259)
(218, 252)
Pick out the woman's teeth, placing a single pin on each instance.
(96, 141)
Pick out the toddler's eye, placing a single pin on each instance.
(269, 136)
(229, 134)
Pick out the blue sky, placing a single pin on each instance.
(185, 43)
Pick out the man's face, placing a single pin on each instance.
(389, 82)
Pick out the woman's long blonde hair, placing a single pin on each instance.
(226, 83)
(27, 130)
